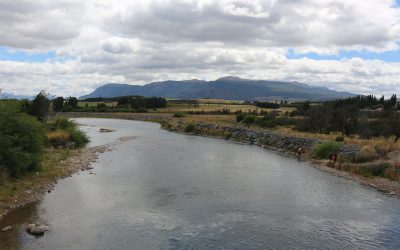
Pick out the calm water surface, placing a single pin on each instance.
(170, 191)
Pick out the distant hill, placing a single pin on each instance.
(12, 96)
(229, 88)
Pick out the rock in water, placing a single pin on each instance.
(36, 229)
(105, 130)
(7, 228)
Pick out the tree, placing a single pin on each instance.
(393, 100)
(58, 103)
(72, 101)
(40, 106)
(382, 100)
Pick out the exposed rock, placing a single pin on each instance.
(36, 229)
(106, 130)
(7, 228)
(277, 141)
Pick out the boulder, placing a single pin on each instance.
(36, 229)
(7, 228)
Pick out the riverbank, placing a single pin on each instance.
(273, 140)
(57, 164)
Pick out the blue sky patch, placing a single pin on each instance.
(388, 56)
(20, 56)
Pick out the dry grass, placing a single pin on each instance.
(212, 107)
(58, 137)
(216, 119)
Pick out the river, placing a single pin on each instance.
(164, 190)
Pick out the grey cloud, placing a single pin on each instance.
(38, 24)
(286, 23)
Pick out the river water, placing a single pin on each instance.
(164, 190)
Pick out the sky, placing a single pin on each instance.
(71, 47)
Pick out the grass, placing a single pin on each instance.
(212, 107)
(386, 170)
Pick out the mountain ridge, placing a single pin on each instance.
(228, 87)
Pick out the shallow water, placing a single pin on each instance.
(165, 190)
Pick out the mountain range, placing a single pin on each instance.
(229, 88)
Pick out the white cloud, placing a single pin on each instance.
(97, 42)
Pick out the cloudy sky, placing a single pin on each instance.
(70, 47)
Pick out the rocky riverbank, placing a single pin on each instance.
(289, 145)
(263, 138)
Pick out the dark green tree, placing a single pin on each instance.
(40, 106)
(382, 100)
(72, 101)
(58, 103)
(393, 100)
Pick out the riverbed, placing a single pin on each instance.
(163, 190)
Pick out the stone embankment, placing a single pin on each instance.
(270, 139)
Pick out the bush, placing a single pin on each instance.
(227, 135)
(325, 149)
(240, 117)
(339, 138)
(190, 127)
(367, 154)
(179, 114)
(76, 136)
(21, 144)
(383, 149)
(392, 172)
(374, 170)
(249, 119)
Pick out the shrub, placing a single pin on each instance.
(190, 127)
(383, 149)
(179, 114)
(367, 154)
(63, 123)
(339, 138)
(58, 138)
(21, 146)
(166, 125)
(374, 170)
(392, 172)
(324, 149)
(227, 135)
(76, 136)
(249, 119)
(240, 117)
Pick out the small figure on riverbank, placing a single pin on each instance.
(299, 152)
(332, 159)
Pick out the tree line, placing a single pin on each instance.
(366, 116)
